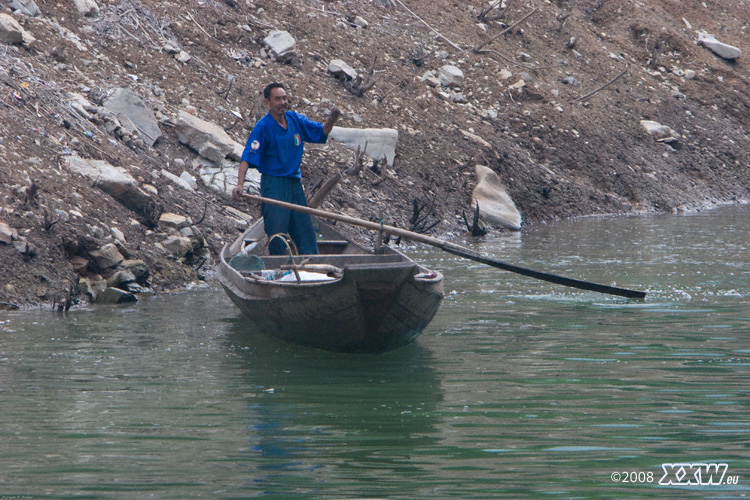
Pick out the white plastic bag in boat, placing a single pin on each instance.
(305, 276)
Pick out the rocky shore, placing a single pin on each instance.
(123, 122)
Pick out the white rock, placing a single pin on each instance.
(7, 234)
(86, 7)
(519, 85)
(222, 177)
(180, 181)
(720, 49)
(431, 79)
(208, 139)
(361, 22)
(476, 138)
(339, 68)
(451, 76)
(178, 246)
(282, 44)
(27, 7)
(494, 202)
(115, 181)
(117, 234)
(660, 132)
(170, 219)
(12, 32)
(138, 115)
(182, 57)
(189, 180)
(107, 256)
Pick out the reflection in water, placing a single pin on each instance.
(320, 419)
(519, 389)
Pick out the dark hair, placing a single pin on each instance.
(270, 87)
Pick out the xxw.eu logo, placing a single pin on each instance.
(695, 474)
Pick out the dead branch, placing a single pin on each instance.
(498, 54)
(482, 15)
(48, 221)
(477, 227)
(31, 194)
(323, 191)
(506, 30)
(420, 215)
(382, 96)
(418, 55)
(356, 167)
(361, 84)
(383, 173)
(613, 80)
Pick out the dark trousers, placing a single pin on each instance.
(283, 220)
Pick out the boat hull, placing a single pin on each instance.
(376, 304)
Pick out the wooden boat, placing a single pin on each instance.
(346, 299)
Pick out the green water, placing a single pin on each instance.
(519, 389)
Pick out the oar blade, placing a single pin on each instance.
(552, 278)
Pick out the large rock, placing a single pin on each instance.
(107, 256)
(178, 246)
(451, 76)
(7, 234)
(495, 205)
(185, 180)
(27, 7)
(121, 279)
(377, 143)
(92, 288)
(340, 69)
(134, 114)
(208, 139)
(282, 44)
(80, 264)
(13, 33)
(431, 79)
(86, 7)
(721, 49)
(223, 177)
(115, 296)
(196, 238)
(115, 181)
(170, 219)
(138, 268)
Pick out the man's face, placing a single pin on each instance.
(278, 102)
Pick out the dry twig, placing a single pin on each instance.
(613, 80)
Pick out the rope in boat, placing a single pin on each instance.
(291, 249)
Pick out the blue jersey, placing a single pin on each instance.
(276, 151)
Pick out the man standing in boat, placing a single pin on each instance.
(275, 148)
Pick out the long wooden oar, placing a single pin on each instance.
(458, 250)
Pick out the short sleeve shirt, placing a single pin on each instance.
(276, 151)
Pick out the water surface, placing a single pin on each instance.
(518, 389)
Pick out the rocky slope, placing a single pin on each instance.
(553, 99)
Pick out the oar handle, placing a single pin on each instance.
(457, 250)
